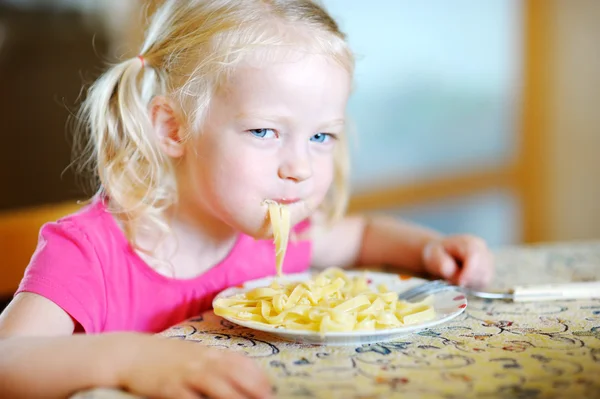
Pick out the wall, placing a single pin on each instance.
(573, 120)
(437, 97)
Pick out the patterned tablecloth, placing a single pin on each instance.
(496, 349)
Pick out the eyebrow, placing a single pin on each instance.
(265, 117)
(275, 118)
(335, 122)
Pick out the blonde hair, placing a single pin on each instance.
(189, 49)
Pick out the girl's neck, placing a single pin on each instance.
(193, 244)
(190, 222)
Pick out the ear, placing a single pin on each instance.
(167, 125)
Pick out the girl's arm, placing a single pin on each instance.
(57, 367)
(38, 355)
(39, 358)
(381, 240)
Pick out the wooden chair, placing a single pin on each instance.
(18, 238)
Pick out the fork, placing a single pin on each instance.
(545, 292)
(425, 289)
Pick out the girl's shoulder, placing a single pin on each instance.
(74, 262)
(92, 223)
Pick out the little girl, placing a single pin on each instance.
(230, 103)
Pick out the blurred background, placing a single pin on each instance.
(471, 116)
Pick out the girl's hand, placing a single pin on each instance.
(462, 259)
(171, 369)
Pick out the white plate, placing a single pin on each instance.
(447, 305)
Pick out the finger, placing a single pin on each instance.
(460, 247)
(439, 262)
(467, 274)
(483, 277)
(482, 271)
(173, 392)
(471, 253)
(235, 376)
(217, 387)
(250, 379)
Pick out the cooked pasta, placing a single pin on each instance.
(331, 301)
(280, 224)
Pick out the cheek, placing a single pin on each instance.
(238, 172)
(243, 167)
(324, 172)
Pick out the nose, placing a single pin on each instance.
(296, 165)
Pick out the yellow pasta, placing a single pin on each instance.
(280, 224)
(329, 302)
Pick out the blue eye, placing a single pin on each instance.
(263, 133)
(321, 138)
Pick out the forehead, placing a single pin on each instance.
(288, 78)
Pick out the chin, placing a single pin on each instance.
(257, 229)
(263, 235)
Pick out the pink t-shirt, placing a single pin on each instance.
(85, 265)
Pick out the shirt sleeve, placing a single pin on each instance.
(65, 269)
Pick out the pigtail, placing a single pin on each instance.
(132, 171)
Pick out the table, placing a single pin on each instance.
(496, 349)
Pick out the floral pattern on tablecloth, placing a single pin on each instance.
(496, 349)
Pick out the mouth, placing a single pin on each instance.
(286, 201)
